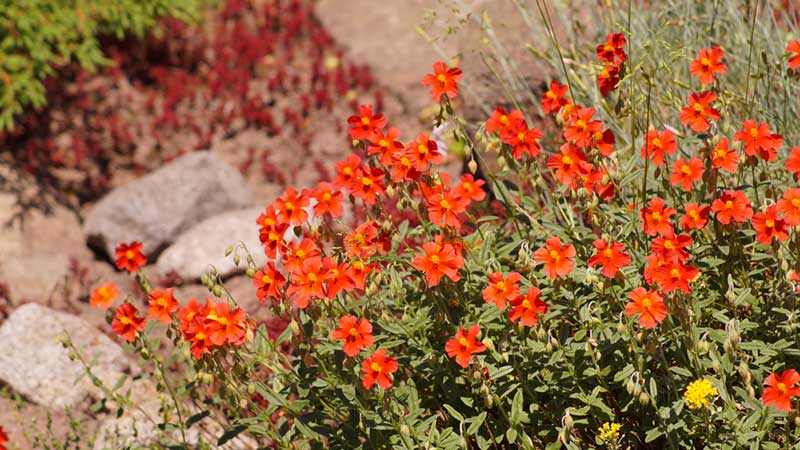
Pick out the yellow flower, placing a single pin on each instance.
(609, 432)
(698, 393)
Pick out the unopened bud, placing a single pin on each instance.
(228, 250)
(204, 279)
(489, 344)
(217, 290)
(251, 272)
(251, 388)
(472, 166)
(405, 430)
(236, 259)
(630, 386)
(294, 326)
(644, 398)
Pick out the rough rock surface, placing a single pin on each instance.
(36, 365)
(156, 208)
(33, 277)
(205, 243)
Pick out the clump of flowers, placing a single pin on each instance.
(608, 433)
(699, 394)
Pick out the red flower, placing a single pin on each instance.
(403, 166)
(293, 259)
(611, 258)
(423, 151)
(528, 308)
(554, 99)
(500, 290)
(780, 390)
(363, 241)
(272, 239)
(582, 128)
(470, 188)
(655, 217)
(657, 145)
(500, 120)
(268, 281)
(570, 163)
(757, 138)
(732, 206)
(385, 145)
(356, 334)
(161, 305)
(521, 139)
(444, 208)
(345, 171)
(339, 278)
(291, 207)
(608, 79)
(307, 282)
(648, 304)
(365, 124)
(724, 158)
(226, 325)
(695, 218)
(368, 184)
(674, 275)
(127, 322)
(198, 332)
(130, 257)
(699, 111)
(707, 64)
(557, 258)
(793, 162)
(439, 259)
(769, 226)
(103, 296)
(612, 51)
(463, 345)
(443, 81)
(604, 142)
(793, 50)
(377, 368)
(3, 438)
(329, 200)
(789, 206)
(672, 247)
(685, 173)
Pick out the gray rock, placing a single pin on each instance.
(33, 277)
(156, 208)
(204, 245)
(35, 364)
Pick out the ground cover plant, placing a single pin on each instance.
(628, 281)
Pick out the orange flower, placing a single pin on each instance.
(568, 164)
(198, 332)
(463, 345)
(500, 290)
(657, 145)
(385, 145)
(339, 278)
(377, 368)
(789, 206)
(356, 334)
(780, 390)
(724, 158)
(268, 282)
(192, 309)
(444, 208)
(557, 258)
(272, 239)
(103, 296)
(793, 50)
(403, 166)
(608, 79)
(732, 206)
(674, 275)
(769, 226)
(127, 322)
(500, 120)
(655, 217)
(226, 325)
(528, 308)
(553, 100)
(648, 304)
(329, 201)
(611, 258)
(439, 259)
(293, 259)
(793, 162)
(267, 220)
(695, 218)
(161, 305)
(470, 188)
(757, 138)
(130, 257)
(443, 81)
(521, 139)
(368, 184)
(365, 124)
(582, 128)
(423, 151)
(685, 173)
(363, 241)
(307, 282)
(707, 64)
(672, 247)
(604, 142)
(345, 171)
(699, 111)
(291, 207)
(612, 51)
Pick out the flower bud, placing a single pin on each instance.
(204, 279)
(251, 388)
(637, 389)
(540, 334)
(251, 272)
(644, 398)
(294, 326)
(472, 166)
(405, 430)
(567, 422)
(217, 290)
(228, 250)
(236, 259)
(630, 386)
(488, 343)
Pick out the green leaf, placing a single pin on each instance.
(476, 423)
(230, 434)
(197, 418)
(516, 408)
(455, 414)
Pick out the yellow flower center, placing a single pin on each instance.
(782, 388)
(770, 223)
(365, 120)
(326, 196)
(266, 279)
(729, 204)
(656, 143)
(686, 170)
(125, 320)
(551, 95)
(697, 107)
(383, 143)
(366, 182)
(434, 259)
(130, 254)
(463, 341)
(441, 77)
(566, 160)
(656, 216)
(796, 202)
(694, 214)
(581, 124)
(646, 303)
(312, 277)
(608, 252)
(526, 304)
(754, 132)
(721, 152)
(521, 136)
(347, 171)
(554, 254)
(376, 367)
(353, 332)
(445, 204)
(705, 62)
(422, 149)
